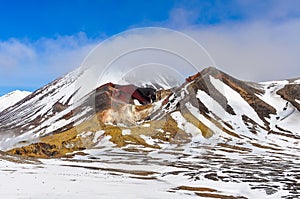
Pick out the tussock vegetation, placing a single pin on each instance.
(82, 137)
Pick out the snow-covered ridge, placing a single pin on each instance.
(12, 98)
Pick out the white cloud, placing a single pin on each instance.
(179, 17)
(255, 51)
(269, 9)
(32, 64)
(263, 45)
(12, 52)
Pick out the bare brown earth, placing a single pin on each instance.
(60, 144)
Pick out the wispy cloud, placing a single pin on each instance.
(12, 53)
(263, 44)
(254, 51)
(31, 64)
(269, 9)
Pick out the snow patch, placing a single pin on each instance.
(148, 139)
(187, 126)
(126, 132)
(236, 101)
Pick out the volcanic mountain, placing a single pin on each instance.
(210, 103)
(249, 131)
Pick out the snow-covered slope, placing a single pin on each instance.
(12, 98)
(213, 129)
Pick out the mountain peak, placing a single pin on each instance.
(210, 71)
(12, 98)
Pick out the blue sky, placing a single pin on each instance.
(42, 39)
(34, 19)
